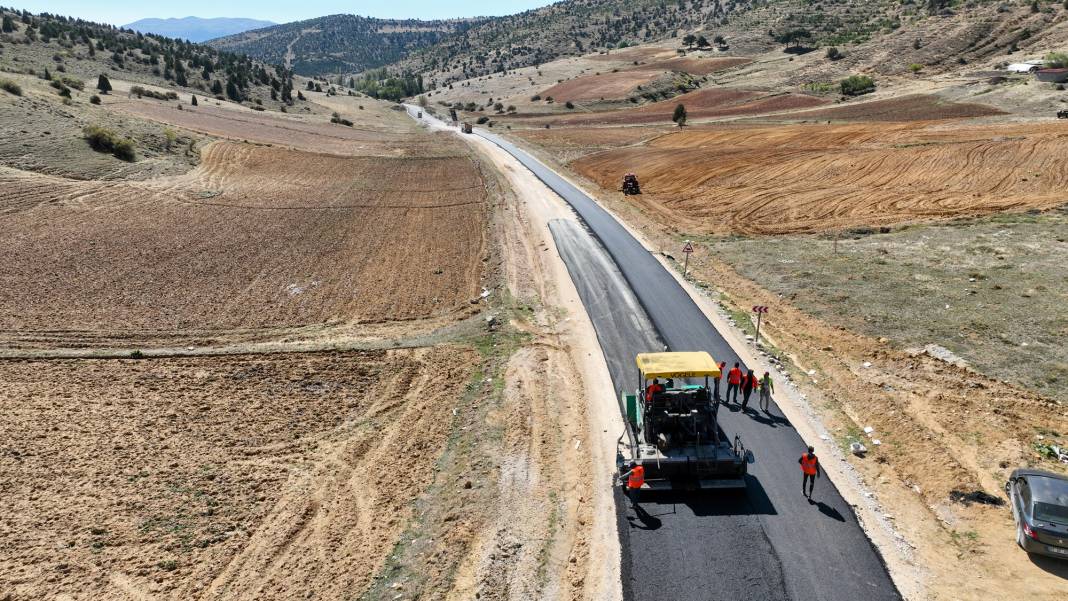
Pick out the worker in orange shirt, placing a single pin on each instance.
(749, 384)
(810, 467)
(635, 478)
(653, 389)
(734, 381)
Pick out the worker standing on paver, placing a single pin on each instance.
(653, 389)
(734, 380)
(810, 467)
(749, 383)
(766, 388)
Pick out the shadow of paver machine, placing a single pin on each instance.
(673, 426)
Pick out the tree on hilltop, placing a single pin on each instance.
(103, 84)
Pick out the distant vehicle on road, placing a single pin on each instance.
(1062, 114)
(1039, 502)
(1025, 67)
(466, 128)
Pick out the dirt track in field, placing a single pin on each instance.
(255, 238)
(811, 178)
(247, 477)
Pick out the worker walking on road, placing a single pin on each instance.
(766, 388)
(635, 478)
(715, 381)
(810, 467)
(749, 383)
(734, 380)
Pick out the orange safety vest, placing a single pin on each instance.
(636, 478)
(808, 464)
(734, 376)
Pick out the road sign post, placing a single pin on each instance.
(687, 250)
(760, 310)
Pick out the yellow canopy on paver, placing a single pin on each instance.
(677, 365)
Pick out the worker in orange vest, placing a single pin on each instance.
(734, 380)
(749, 384)
(635, 479)
(653, 389)
(810, 467)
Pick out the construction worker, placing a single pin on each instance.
(766, 388)
(810, 467)
(734, 380)
(653, 389)
(749, 383)
(715, 380)
(635, 478)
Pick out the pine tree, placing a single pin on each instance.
(9, 24)
(232, 91)
(193, 101)
(216, 88)
(103, 84)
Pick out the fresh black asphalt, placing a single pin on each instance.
(768, 542)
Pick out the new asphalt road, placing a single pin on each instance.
(768, 542)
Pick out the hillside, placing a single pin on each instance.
(340, 43)
(196, 29)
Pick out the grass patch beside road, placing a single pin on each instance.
(991, 290)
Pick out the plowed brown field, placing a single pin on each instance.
(606, 86)
(256, 237)
(916, 107)
(375, 133)
(699, 66)
(247, 477)
(701, 104)
(810, 178)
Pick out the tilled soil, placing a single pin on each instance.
(812, 178)
(255, 238)
(246, 477)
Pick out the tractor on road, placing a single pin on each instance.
(630, 185)
(673, 426)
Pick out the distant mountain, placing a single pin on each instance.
(342, 43)
(196, 29)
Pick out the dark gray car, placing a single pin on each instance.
(1039, 502)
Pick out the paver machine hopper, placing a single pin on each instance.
(673, 426)
(630, 185)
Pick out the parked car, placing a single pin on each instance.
(1039, 501)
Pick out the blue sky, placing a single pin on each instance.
(279, 11)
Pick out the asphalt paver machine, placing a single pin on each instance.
(673, 426)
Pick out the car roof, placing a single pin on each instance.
(1026, 471)
(1043, 488)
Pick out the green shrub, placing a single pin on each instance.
(569, 104)
(94, 99)
(337, 118)
(1057, 60)
(856, 85)
(482, 120)
(102, 139)
(10, 87)
(915, 67)
(141, 92)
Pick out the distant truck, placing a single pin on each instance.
(1062, 114)
(466, 128)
